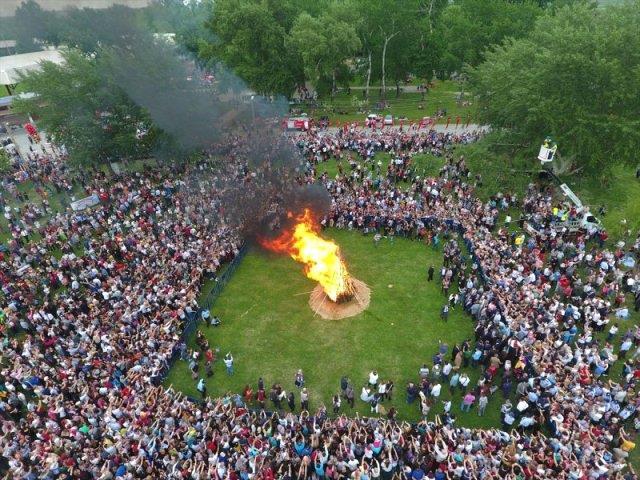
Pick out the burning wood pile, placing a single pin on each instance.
(338, 295)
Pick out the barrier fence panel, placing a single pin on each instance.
(223, 279)
(193, 318)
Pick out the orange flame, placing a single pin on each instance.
(321, 258)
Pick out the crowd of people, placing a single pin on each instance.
(89, 333)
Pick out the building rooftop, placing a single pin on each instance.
(12, 65)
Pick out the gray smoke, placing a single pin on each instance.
(260, 179)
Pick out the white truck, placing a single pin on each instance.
(585, 220)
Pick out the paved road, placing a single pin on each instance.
(438, 128)
(391, 88)
(21, 140)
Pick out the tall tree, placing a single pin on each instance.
(324, 44)
(185, 19)
(251, 39)
(385, 25)
(87, 29)
(576, 77)
(81, 109)
(468, 27)
(33, 27)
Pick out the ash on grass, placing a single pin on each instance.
(330, 310)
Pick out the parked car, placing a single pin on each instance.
(372, 120)
(388, 119)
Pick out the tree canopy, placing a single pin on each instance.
(467, 27)
(252, 41)
(539, 67)
(277, 46)
(324, 43)
(82, 109)
(576, 77)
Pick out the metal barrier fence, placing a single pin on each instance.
(215, 292)
(194, 317)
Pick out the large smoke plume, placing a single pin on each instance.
(258, 178)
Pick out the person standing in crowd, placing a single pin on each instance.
(444, 312)
(247, 394)
(291, 401)
(261, 398)
(464, 382)
(336, 404)
(344, 383)
(304, 400)
(373, 378)
(228, 363)
(483, 401)
(376, 239)
(205, 314)
(350, 395)
(467, 402)
(202, 388)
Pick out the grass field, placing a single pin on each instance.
(617, 188)
(271, 331)
(352, 107)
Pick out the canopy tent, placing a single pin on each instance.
(11, 66)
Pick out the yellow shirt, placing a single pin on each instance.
(627, 445)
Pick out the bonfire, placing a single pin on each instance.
(338, 295)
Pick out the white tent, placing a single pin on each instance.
(12, 65)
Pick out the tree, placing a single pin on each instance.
(81, 109)
(87, 29)
(468, 27)
(186, 20)
(32, 24)
(5, 161)
(387, 26)
(574, 77)
(251, 39)
(324, 44)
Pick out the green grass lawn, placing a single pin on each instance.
(271, 331)
(352, 107)
(617, 189)
(424, 164)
